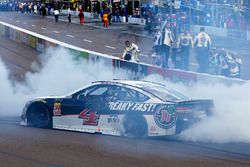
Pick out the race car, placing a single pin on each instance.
(118, 107)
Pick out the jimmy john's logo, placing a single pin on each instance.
(165, 116)
(130, 106)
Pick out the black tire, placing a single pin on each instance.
(134, 125)
(39, 116)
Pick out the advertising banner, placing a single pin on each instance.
(24, 37)
(136, 20)
(32, 41)
(7, 32)
(2, 30)
(133, 69)
(18, 36)
(79, 53)
(49, 44)
(13, 34)
(173, 74)
(92, 58)
(236, 34)
(40, 46)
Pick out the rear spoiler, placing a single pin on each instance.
(197, 105)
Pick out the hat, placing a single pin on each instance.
(157, 27)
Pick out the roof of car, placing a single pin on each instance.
(131, 82)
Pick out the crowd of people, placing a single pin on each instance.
(217, 61)
(225, 15)
(171, 40)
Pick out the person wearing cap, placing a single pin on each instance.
(184, 43)
(202, 42)
(131, 52)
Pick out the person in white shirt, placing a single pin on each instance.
(131, 52)
(56, 13)
(167, 41)
(69, 14)
(202, 42)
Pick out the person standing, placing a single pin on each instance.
(105, 19)
(35, 9)
(185, 42)
(43, 9)
(117, 16)
(109, 17)
(81, 17)
(157, 42)
(56, 13)
(202, 42)
(69, 15)
(131, 52)
(167, 41)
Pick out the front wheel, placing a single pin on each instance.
(134, 126)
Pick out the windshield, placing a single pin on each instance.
(165, 93)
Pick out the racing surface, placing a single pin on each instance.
(34, 147)
(26, 146)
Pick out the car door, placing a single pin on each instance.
(118, 100)
(94, 106)
(70, 108)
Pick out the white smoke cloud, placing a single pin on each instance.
(61, 74)
(6, 89)
(231, 119)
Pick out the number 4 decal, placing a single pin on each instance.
(89, 117)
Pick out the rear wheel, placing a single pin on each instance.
(39, 116)
(134, 126)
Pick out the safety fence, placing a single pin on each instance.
(135, 70)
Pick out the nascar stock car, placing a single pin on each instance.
(118, 107)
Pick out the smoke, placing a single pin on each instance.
(61, 73)
(6, 89)
(231, 119)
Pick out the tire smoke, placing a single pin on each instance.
(61, 73)
(230, 121)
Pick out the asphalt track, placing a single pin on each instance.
(33, 147)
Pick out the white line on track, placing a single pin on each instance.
(43, 28)
(56, 32)
(110, 47)
(71, 36)
(86, 40)
(33, 25)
